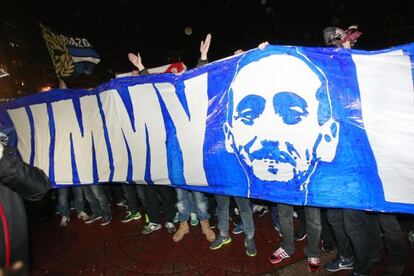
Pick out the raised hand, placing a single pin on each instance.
(136, 61)
(263, 45)
(204, 46)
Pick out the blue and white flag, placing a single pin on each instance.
(306, 126)
(69, 54)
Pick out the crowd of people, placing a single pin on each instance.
(357, 235)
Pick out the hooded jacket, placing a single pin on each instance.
(18, 180)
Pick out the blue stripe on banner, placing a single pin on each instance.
(32, 138)
(83, 52)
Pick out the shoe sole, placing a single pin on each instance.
(131, 219)
(91, 221)
(237, 232)
(339, 269)
(251, 254)
(221, 245)
(105, 223)
(302, 238)
(153, 230)
(279, 261)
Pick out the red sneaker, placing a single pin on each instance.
(313, 264)
(278, 256)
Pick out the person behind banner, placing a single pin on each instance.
(279, 119)
(18, 181)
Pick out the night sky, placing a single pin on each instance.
(156, 28)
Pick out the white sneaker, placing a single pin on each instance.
(83, 216)
(64, 221)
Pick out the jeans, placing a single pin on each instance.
(245, 210)
(184, 206)
(351, 227)
(393, 238)
(131, 191)
(153, 195)
(63, 200)
(98, 202)
(326, 234)
(275, 215)
(313, 228)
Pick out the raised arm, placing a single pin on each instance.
(204, 47)
(137, 62)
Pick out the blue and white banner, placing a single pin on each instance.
(306, 126)
(69, 54)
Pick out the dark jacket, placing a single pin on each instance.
(18, 180)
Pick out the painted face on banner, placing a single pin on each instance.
(274, 127)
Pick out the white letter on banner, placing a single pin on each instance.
(66, 124)
(147, 114)
(22, 126)
(42, 136)
(190, 131)
(387, 103)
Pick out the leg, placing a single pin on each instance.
(246, 214)
(336, 220)
(130, 197)
(286, 224)
(313, 228)
(183, 204)
(168, 201)
(153, 204)
(79, 199)
(356, 227)
(223, 214)
(100, 196)
(63, 201)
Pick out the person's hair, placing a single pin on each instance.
(322, 94)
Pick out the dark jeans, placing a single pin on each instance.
(350, 227)
(313, 227)
(275, 215)
(97, 200)
(131, 191)
(389, 229)
(156, 194)
(245, 211)
(326, 234)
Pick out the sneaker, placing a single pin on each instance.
(277, 228)
(238, 229)
(92, 218)
(300, 236)
(106, 220)
(295, 214)
(83, 216)
(170, 227)
(327, 249)
(131, 216)
(64, 221)
(213, 222)
(176, 218)
(278, 256)
(219, 242)
(262, 211)
(236, 211)
(151, 227)
(340, 263)
(250, 247)
(194, 220)
(313, 264)
(122, 203)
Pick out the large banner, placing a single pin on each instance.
(306, 126)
